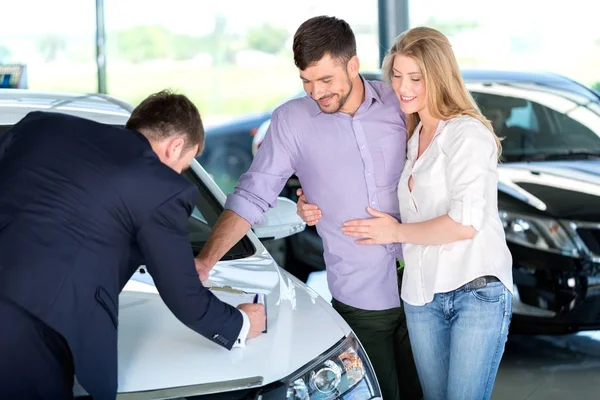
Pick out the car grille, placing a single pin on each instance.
(591, 238)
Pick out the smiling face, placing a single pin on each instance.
(329, 82)
(409, 85)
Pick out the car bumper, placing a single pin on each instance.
(554, 293)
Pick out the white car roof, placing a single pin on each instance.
(16, 103)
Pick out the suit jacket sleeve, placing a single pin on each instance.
(163, 240)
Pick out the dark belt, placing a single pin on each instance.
(480, 282)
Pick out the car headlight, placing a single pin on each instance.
(538, 232)
(342, 373)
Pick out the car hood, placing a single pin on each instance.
(562, 189)
(157, 353)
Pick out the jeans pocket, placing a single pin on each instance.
(491, 293)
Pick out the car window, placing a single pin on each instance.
(578, 134)
(205, 214)
(523, 117)
(531, 128)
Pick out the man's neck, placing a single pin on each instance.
(356, 98)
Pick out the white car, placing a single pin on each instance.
(308, 352)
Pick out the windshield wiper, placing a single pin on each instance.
(573, 154)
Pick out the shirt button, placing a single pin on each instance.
(369, 173)
(373, 202)
(362, 146)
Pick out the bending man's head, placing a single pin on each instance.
(172, 125)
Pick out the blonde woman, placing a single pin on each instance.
(458, 269)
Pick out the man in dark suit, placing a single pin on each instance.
(82, 205)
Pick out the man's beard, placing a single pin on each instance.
(341, 102)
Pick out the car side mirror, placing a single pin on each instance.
(280, 221)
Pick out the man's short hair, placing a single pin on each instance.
(165, 114)
(323, 35)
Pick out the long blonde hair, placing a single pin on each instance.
(447, 95)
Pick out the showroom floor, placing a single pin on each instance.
(550, 368)
(537, 367)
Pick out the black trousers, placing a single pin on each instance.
(35, 361)
(385, 338)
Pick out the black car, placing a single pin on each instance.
(548, 196)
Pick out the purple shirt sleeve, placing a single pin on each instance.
(258, 188)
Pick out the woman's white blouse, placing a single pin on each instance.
(456, 175)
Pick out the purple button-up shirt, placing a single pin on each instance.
(344, 164)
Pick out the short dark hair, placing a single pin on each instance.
(323, 35)
(166, 114)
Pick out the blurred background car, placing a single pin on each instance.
(227, 152)
(549, 196)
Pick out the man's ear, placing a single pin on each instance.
(175, 148)
(353, 67)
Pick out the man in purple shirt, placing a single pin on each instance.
(346, 142)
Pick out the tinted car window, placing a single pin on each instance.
(530, 128)
(523, 117)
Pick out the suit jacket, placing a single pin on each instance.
(82, 204)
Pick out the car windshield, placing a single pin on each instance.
(539, 123)
(205, 214)
(204, 217)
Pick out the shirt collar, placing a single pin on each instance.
(371, 95)
(438, 130)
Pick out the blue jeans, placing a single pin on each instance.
(458, 340)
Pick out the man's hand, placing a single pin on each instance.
(202, 268)
(309, 213)
(256, 315)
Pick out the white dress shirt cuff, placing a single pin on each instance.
(241, 340)
(467, 212)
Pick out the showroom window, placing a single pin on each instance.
(517, 34)
(55, 40)
(231, 58)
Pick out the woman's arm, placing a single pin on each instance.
(440, 230)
